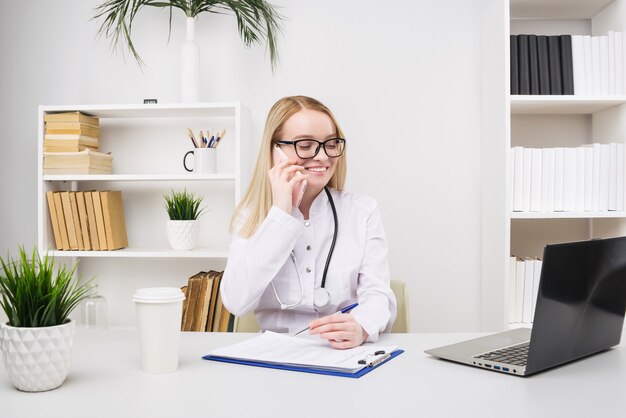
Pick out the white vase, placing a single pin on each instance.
(183, 235)
(190, 66)
(37, 359)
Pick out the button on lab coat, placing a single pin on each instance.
(358, 270)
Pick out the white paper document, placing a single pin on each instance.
(281, 349)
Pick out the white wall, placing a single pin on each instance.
(403, 78)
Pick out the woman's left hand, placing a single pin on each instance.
(341, 330)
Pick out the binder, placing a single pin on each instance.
(365, 370)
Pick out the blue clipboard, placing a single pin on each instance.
(365, 370)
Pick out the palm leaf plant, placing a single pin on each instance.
(34, 292)
(183, 206)
(257, 20)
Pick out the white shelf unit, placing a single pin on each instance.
(538, 122)
(148, 143)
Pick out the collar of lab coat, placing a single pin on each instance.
(319, 206)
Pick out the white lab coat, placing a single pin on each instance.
(358, 270)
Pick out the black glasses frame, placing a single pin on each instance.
(320, 145)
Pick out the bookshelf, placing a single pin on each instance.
(537, 122)
(148, 143)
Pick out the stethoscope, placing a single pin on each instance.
(321, 296)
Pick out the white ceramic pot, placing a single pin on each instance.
(37, 359)
(183, 235)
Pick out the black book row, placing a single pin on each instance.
(541, 64)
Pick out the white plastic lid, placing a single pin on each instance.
(158, 295)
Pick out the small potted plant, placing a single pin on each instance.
(183, 209)
(37, 297)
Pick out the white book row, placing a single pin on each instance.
(598, 64)
(588, 178)
(524, 274)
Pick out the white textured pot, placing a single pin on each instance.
(183, 235)
(190, 66)
(37, 359)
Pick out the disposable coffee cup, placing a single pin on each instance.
(159, 312)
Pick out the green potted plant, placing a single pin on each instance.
(257, 20)
(37, 297)
(183, 209)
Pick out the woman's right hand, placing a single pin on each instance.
(284, 180)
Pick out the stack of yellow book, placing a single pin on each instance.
(71, 132)
(86, 221)
(203, 309)
(83, 162)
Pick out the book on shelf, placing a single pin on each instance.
(91, 221)
(58, 204)
(581, 179)
(69, 220)
(567, 64)
(54, 220)
(524, 278)
(514, 65)
(83, 162)
(194, 285)
(533, 64)
(76, 221)
(567, 73)
(84, 221)
(543, 64)
(206, 291)
(203, 309)
(68, 145)
(97, 208)
(529, 274)
(524, 64)
(215, 299)
(65, 117)
(73, 129)
(184, 289)
(114, 222)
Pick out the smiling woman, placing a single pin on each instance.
(278, 242)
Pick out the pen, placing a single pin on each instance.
(344, 310)
(379, 360)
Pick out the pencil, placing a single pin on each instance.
(193, 138)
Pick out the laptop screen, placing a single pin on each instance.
(581, 301)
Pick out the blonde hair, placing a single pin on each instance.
(257, 201)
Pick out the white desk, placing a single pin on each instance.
(105, 381)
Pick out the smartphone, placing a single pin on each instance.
(279, 156)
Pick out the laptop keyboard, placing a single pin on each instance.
(515, 355)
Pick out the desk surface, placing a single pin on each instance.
(105, 381)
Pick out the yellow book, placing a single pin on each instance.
(54, 221)
(76, 221)
(84, 221)
(91, 222)
(97, 208)
(69, 220)
(185, 302)
(71, 117)
(114, 223)
(81, 130)
(215, 275)
(198, 316)
(207, 290)
(58, 204)
(193, 290)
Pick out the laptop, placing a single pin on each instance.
(579, 312)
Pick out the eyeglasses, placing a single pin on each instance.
(309, 148)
